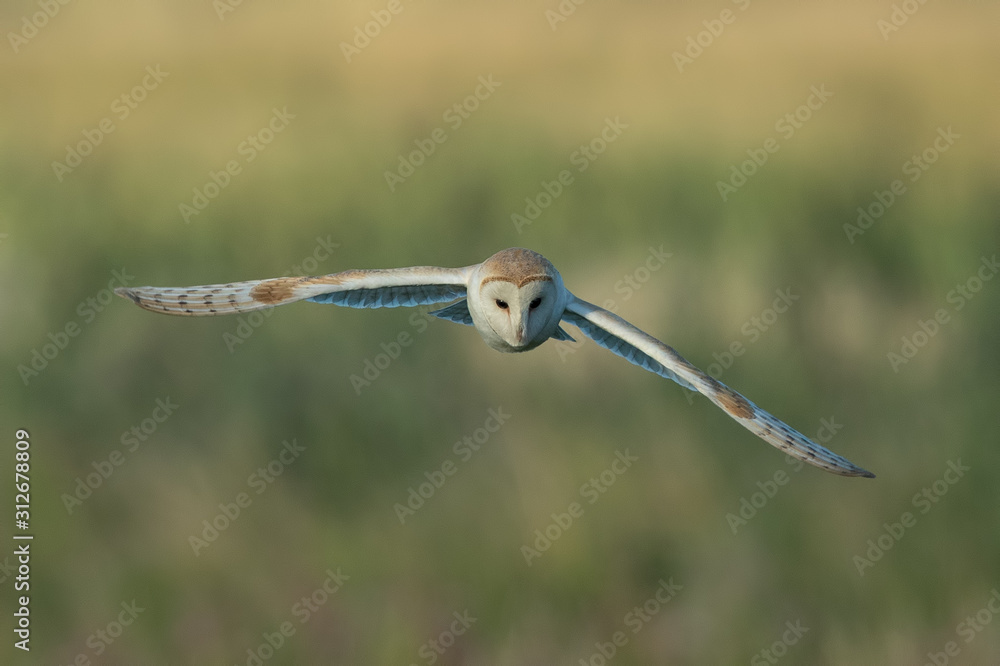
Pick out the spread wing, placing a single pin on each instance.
(375, 288)
(614, 333)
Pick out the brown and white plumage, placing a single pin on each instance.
(368, 288)
(516, 300)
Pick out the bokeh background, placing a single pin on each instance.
(316, 199)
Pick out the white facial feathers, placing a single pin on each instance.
(516, 299)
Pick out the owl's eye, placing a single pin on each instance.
(535, 303)
(501, 304)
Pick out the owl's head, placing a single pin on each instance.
(520, 300)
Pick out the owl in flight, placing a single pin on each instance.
(516, 300)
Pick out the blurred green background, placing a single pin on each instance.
(316, 198)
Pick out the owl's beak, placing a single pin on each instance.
(521, 327)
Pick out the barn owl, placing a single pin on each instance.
(516, 300)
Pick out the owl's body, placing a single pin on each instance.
(516, 300)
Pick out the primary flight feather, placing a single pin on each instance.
(516, 300)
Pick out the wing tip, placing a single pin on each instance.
(849, 469)
(125, 292)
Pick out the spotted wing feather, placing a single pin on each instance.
(624, 339)
(620, 347)
(376, 288)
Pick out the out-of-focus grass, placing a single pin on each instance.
(323, 177)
